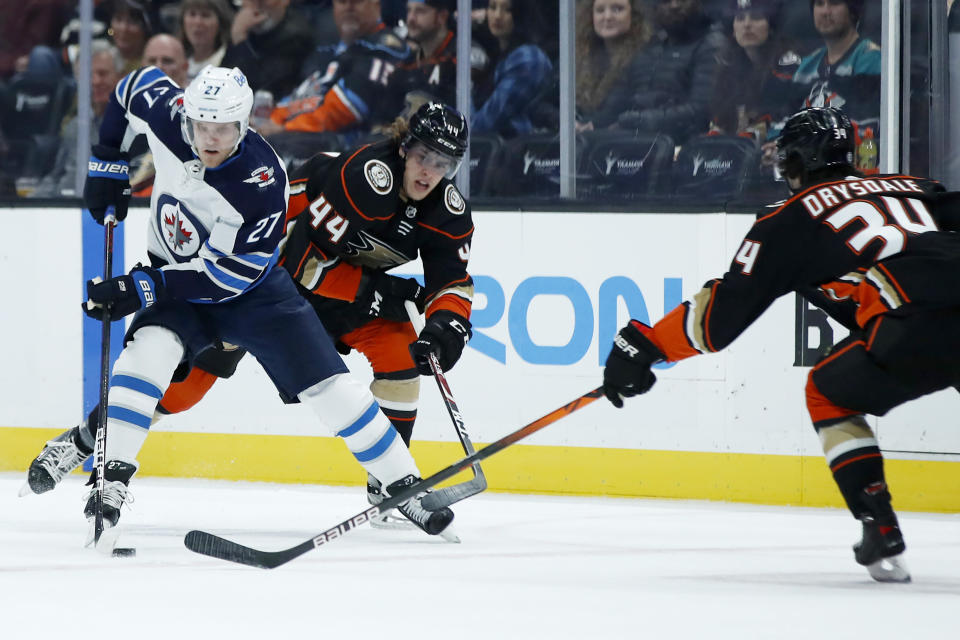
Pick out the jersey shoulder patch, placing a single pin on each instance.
(378, 176)
(453, 200)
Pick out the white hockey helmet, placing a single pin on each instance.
(217, 94)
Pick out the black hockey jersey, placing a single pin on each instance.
(347, 215)
(347, 87)
(435, 76)
(878, 244)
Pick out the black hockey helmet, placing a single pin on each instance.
(439, 128)
(442, 128)
(813, 139)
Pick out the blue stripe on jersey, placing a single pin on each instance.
(259, 258)
(127, 415)
(122, 86)
(377, 450)
(147, 77)
(136, 384)
(224, 279)
(393, 52)
(355, 100)
(249, 272)
(360, 422)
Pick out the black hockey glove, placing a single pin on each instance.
(383, 296)
(445, 334)
(108, 183)
(124, 294)
(627, 371)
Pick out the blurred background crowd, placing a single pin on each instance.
(675, 99)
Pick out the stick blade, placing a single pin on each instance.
(447, 496)
(208, 544)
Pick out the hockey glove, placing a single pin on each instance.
(382, 296)
(446, 334)
(108, 183)
(124, 294)
(627, 371)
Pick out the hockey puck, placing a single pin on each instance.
(124, 552)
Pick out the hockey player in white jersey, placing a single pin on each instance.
(217, 216)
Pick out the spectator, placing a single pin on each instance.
(346, 90)
(753, 84)
(609, 34)
(26, 24)
(106, 68)
(204, 30)
(845, 72)
(268, 40)
(434, 72)
(166, 53)
(132, 22)
(518, 69)
(670, 83)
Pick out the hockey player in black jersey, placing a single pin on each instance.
(217, 219)
(883, 252)
(374, 208)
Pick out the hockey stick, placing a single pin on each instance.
(100, 443)
(217, 547)
(448, 495)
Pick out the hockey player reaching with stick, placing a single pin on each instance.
(217, 218)
(357, 215)
(883, 251)
(339, 262)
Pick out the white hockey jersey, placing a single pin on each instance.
(215, 231)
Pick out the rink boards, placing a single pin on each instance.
(552, 289)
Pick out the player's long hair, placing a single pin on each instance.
(398, 130)
(597, 68)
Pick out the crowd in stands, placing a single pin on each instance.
(680, 90)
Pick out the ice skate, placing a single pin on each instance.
(115, 494)
(882, 546)
(432, 522)
(59, 457)
(387, 519)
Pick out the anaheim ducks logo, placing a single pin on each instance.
(453, 200)
(379, 176)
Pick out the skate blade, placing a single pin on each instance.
(890, 569)
(450, 535)
(389, 521)
(25, 490)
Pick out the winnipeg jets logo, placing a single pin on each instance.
(177, 234)
(261, 177)
(178, 228)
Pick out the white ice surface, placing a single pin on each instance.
(528, 567)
